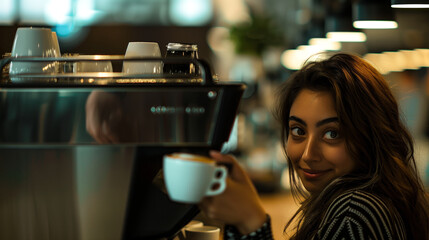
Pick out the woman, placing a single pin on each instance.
(350, 157)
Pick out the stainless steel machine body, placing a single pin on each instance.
(80, 156)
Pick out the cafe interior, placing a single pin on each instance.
(57, 183)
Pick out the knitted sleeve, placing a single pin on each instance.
(360, 215)
(262, 233)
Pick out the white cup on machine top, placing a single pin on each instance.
(34, 42)
(56, 44)
(143, 50)
(202, 233)
(92, 66)
(189, 178)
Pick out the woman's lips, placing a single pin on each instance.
(313, 174)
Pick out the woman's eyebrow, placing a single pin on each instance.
(297, 119)
(318, 124)
(326, 121)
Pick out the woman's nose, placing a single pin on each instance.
(311, 150)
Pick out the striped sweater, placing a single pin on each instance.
(360, 215)
(352, 215)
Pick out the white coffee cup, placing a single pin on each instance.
(56, 44)
(57, 50)
(189, 178)
(33, 42)
(142, 49)
(202, 233)
(92, 66)
(194, 223)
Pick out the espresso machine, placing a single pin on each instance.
(81, 153)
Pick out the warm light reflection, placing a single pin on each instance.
(424, 56)
(293, 59)
(398, 61)
(375, 24)
(378, 61)
(346, 36)
(310, 50)
(411, 58)
(325, 44)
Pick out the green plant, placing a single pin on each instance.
(255, 36)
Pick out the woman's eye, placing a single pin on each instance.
(296, 131)
(331, 135)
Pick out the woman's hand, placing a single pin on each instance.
(239, 205)
(103, 116)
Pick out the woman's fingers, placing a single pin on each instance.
(236, 172)
(238, 205)
(206, 205)
(223, 158)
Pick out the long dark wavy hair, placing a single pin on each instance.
(376, 139)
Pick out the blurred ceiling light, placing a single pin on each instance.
(310, 50)
(397, 61)
(409, 3)
(375, 24)
(86, 13)
(346, 36)
(424, 54)
(325, 43)
(7, 11)
(370, 14)
(388, 62)
(191, 12)
(58, 12)
(412, 59)
(293, 59)
(232, 12)
(81, 12)
(377, 60)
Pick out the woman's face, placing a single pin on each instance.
(315, 144)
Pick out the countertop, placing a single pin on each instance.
(280, 206)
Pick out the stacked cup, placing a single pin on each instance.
(141, 50)
(34, 42)
(92, 66)
(202, 233)
(196, 230)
